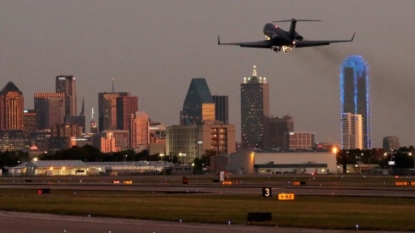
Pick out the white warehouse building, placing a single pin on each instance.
(273, 162)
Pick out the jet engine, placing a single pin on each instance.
(298, 37)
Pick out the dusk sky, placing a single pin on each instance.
(154, 48)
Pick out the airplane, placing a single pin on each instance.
(278, 39)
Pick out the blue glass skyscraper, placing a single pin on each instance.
(197, 95)
(355, 94)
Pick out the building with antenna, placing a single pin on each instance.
(93, 125)
(254, 110)
(115, 109)
(107, 110)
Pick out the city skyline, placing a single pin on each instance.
(105, 42)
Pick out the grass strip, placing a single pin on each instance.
(331, 212)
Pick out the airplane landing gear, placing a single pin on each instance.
(276, 48)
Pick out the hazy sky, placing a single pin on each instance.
(154, 48)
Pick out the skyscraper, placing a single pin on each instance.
(254, 110)
(354, 93)
(11, 108)
(79, 120)
(29, 120)
(352, 131)
(139, 132)
(126, 105)
(107, 110)
(198, 105)
(275, 130)
(66, 84)
(50, 109)
(221, 108)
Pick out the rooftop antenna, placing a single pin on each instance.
(113, 86)
(92, 115)
(254, 71)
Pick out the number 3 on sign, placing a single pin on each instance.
(267, 192)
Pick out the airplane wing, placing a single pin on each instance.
(265, 44)
(312, 43)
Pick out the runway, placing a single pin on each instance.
(14, 222)
(248, 189)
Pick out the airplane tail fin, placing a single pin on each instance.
(293, 24)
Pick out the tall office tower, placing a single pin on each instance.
(79, 120)
(66, 84)
(50, 109)
(29, 120)
(140, 131)
(126, 105)
(275, 129)
(354, 93)
(107, 110)
(198, 105)
(352, 131)
(221, 108)
(391, 143)
(93, 125)
(254, 110)
(11, 107)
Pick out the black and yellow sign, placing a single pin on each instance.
(267, 192)
(286, 196)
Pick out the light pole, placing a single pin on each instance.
(162, 159)
(125, 160)
(199, 143)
